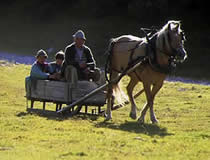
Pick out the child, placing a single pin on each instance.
(56, 66)
(40, 69)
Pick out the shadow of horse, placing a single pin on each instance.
(148, 129)
(128, 126)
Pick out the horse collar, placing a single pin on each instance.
(152, 54)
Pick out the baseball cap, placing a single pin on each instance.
(41, 52)
(79, 34)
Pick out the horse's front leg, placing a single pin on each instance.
(148, 93)
(155, 90)
(130, 88)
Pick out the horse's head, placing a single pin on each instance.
(174, 39)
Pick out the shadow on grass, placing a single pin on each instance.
(52, 115)
(148, 129)
(128, 126)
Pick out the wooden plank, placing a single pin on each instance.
(51, 90)
(84, 88)
(79, 101)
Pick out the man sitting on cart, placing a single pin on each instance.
(79, 62)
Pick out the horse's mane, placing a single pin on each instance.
(162, 34)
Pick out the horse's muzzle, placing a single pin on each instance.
(181, 55)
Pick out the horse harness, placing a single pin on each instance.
(151, 51)
(150, 58)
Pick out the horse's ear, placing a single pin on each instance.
(173, 27)
(177, 27)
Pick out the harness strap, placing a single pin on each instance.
(137, 75)
(113, 69)
(132, 52)
(152, 54)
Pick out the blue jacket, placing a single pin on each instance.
(54, 68)
(40, 71)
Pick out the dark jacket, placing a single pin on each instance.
(70, 53)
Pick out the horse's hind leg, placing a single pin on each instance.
(110, 96)
(130, 87)
(109, 103)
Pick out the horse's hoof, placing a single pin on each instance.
(107, 117)
(141, 120)
(154, 121)
(132, 115)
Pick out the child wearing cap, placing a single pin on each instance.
(56, 66)
(40, 69)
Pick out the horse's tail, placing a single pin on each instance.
(109, 59)
(118, 93)
(120, 96)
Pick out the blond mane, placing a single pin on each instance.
(162, 35)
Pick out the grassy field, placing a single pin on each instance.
(183, 131)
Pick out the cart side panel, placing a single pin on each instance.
(57, 91)
(51, 90)
(85, 87)
(38, 89)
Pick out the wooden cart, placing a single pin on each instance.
(63, 93)
(85, 93)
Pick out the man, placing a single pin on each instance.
(56, 66)
(40, 69)
(79, 61)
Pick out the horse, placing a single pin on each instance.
(157, 54)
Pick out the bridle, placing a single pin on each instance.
(152, 49)
(153, 32)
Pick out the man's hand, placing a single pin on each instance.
(53, 76)
(83, 65)
(87, 71)
(57, 76)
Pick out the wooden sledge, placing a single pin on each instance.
(61, 93)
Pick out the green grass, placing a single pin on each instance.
(183, 131)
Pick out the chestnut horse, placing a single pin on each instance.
(159, 54)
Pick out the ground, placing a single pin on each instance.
(183, 131)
